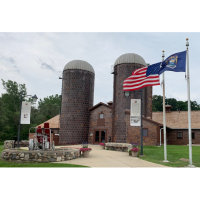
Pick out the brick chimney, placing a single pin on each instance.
(168, 108)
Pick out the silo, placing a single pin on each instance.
(77, 98)
(123, 68)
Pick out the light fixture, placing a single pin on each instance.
(34, 98)
(126, 93)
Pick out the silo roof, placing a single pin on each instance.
(130, 58)
(79, 64)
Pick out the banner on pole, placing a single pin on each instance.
(25, 112)
(135, 114)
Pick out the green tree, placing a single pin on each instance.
(10, 107)
(3, 120)
(50, 106)
(157, 103)
(13, 94)
(182, 105)
(172, 102)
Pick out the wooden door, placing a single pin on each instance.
(56, 139)
(99, 136)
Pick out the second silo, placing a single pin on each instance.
(123, 68)
(77, 98)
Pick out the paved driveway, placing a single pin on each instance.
(106, 158)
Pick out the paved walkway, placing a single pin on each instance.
(106, 158)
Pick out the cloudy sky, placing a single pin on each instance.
(37, 59)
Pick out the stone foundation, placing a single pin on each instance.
(39, 156)
(118, 146)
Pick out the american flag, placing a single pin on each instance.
(139, 80)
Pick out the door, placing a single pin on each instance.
(103, 136)
(56, 139)
(99, 136)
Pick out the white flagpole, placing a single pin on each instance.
(164, 120)
(189, 107)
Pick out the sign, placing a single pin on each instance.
(25, 112)
(135, 113)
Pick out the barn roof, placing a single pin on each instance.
(53, 122)
(178, 119)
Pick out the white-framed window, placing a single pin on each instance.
(101, 116)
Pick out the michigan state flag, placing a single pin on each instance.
(176, 63)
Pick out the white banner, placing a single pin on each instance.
(135, 113)
(25, 112)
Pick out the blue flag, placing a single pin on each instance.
(176, 63)
(153, 69)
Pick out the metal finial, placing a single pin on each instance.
(163, 55)
(187, 43)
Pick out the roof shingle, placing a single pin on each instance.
(178, 119)
(53, 122)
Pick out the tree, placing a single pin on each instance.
(9, 108)
(172, 102)
(50, 106)
(176, 105)
(157, 103)
(182, 105)
(13, 94)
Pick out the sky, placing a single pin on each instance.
(38, 59)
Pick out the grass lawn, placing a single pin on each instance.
(12, 164)
(174, 153)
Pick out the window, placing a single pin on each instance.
(145, 131)
(179, 135)
(101, 116)
(193, 135)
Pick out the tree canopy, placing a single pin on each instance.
(176, 105)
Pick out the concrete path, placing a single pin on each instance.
(106, 158)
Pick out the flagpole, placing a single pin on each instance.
(141, 152)
(164, 120)
(189, 107)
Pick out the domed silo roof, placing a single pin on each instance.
(130, 58)
(79, 64)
